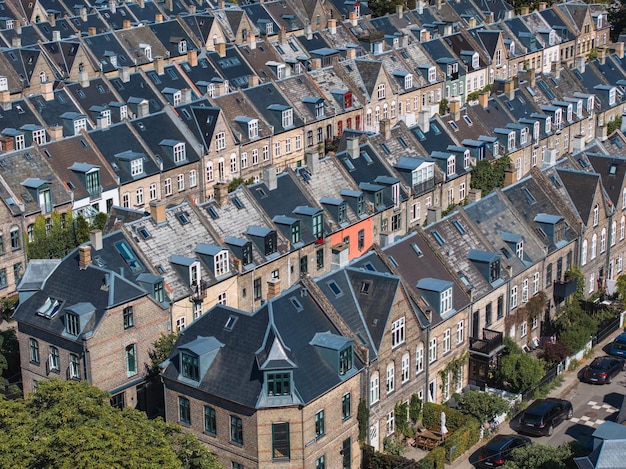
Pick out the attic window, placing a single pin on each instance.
(190, 366)
(296, 304)
(529, 196)
(182, 218)
(613, 169)
(238, 203)
(417, 250)
(459, 227)
(366, 287)
(213, 213)
(335, 288)
(287, 118)
(438, 238)
(230, 323)
(145, 234)
(49, 308)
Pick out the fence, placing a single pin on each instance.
(550, 375)
(606, 330)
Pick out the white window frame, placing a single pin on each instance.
(398, 332)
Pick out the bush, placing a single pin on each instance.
(436, 459)
(415, 408)
(555, 353)
(432, 416)
(521, 373)
(482, 406)
(375, 460)
(462, 439)
(363, 415)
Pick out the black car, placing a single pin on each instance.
(543, 415)
(498, 450)
(602, 370)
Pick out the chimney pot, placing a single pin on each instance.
(84, 256)
(157, 211)
(95, 236)
(220, 193)
(192, 57)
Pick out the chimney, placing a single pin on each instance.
(157, 211)
(332, 25)
(489, 18)
(112, 6)
(579, 143)
(192, 57)
(185, 95)
(220, 48)
(474, 195)
(455, 109)
(55, 133)
(308, 32)
(95, 236)
(52, 20)
(524, 10)
(158, 18)
(423, 120)
(92, 31)
(425, 35)
(124, 74)
(602, 55)
(251, 41)
(221, 4)
(16, 42)
(281, 36)
(602, 132)
(83, 78)
(5, 100)
(269, 176)
(399, 11)
(46, 91)
(159, 66)
(192, 9)
(126, 24)
(351, 53)
(384, 127)
(619, 49)
(556, 70)
(169, 5)
(141, 3)
(253, 80)
(83, 14)
(353, 19)
(84, 256)
(531, 78)
(543, 5)
(220, 193)
(102, 122)
(483, 99)
(509, 14)
(438, 4)
(434, 215)
(420, 7)
(580, 64)
(316, 64)
(273, 288)
(353, 147)
(56, 36)
(143, 108)
(312, 161)
(471, 22)
(510, 176)
(509, 89)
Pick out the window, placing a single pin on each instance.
(210, 422)
(253, 128)
(220, 141)
(524, 329)
(397, 332)
(236, 430)
(266, 152)
(613, 233)
(374, 388)
(257, 289)
(622, 228)
(500, 311)
(346, 451)
(184, 410)
(221, 298)
(391, 424)
(451, 167)
(346, 410)
(167, 184)
(603, 240)
(406, 363)
(131, 360)
(136, 167)
(193, 180)
(280, 440)
(53, 361)
(287, 118)
(391, 375)
(15, 238)
(583, 254)
(74, 369)
(180, 152)
(180, 180)
(139, 196)
(432, 350)
(319, 255)
(279, 384)
(190, 366)
(209, 171)
(72, 325)
(460, 332)
(319, 424)
(320, 463)
(446, 301)
(34, 351)
(129, 320)
(535, 283)
(446, 341)
(381, 91)
(419, 359)
(595, 215)
(514, 297)
(594, 245)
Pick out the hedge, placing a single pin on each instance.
(432, 416)
(436, 459)
(464, 437)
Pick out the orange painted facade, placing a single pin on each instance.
(352, 235)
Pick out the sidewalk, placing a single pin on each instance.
(570, 381)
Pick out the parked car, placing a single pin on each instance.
(543, 415)
(498, 451)
(618, 346)
(602, 370)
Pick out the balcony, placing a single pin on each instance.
(488, 346)
(564, 288)
(423, 187)
(199, 291)
(95, 193)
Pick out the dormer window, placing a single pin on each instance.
(558, 114)
(270, 243)
(345, 360)
(278, 384)
(512, 49)
(466, 159)
(190, 366)
(475, 61)
(552, 38)
(269, 28)
(498, 58)
(79, 124)
(423, 173)
(341, 213)
(511, 141)
(180, 152)
(596, 215)
(287, 118)
(494, 270)
(347, 100)
(548, 125)
(519, 249)
(39, 136)
(590, 104)
(158, 293)
(432, 75)
(45, 199)
(194, 274)
(451, 166)
(147, 50)
(92, 182)
(136, 167)
(496, 148)
(221, 264)
(318, 226)
(319, 109)
(536, 131)
(612, 95)
(446, 301)
(570, 112)
(72, 324)
(408, 81)
(182, 46)
(523, 139)
(378, 198)
(253, 128)
(295, 232)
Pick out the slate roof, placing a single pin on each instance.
(612, 170)
(279, 320)
(581, 188)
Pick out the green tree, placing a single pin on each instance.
(68, 424)
(100, 220)
(482, 406)
(576, 326)
(521, 372)
(621, 286)
(536, 456)
(488, 175)
(161, 350)
(617, 18)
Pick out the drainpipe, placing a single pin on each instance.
(427, 364)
